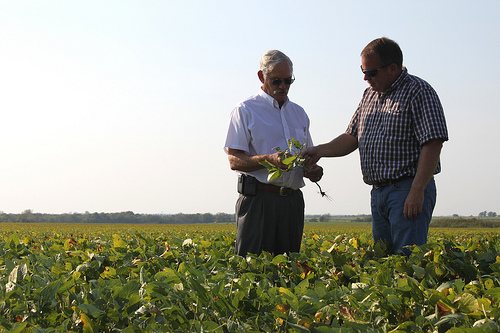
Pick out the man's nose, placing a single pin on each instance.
(283, 85)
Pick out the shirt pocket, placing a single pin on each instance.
(396, 116)
(396, 123)
(300, 135)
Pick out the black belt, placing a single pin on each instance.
(284, 191)
(390, 182)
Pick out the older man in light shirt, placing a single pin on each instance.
(269, 214)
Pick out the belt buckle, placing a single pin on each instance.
(282, 191)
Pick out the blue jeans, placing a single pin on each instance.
(388, 221)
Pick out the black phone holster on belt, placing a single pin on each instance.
(247, 185)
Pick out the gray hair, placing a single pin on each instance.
(271, 58)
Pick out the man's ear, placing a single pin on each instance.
(394, 69)
(261, 76)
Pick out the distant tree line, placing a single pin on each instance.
(330, 218)
(28, 216)
(487, 214)
(464, 223)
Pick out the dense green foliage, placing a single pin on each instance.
(173, 278)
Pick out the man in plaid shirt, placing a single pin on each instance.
(399, 128)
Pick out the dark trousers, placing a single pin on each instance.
(269, 222)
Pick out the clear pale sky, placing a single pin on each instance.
(110, 106)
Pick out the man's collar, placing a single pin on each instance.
(399, 80)
(270, 99)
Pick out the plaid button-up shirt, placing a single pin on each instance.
(391, 128)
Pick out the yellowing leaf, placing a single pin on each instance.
(27, 240)
(205, 244)
(468, 303)
(354, 242)
(182, 267)
(289, 297)
(306, 322)
(488, 284)
(109, 272)
(118, 242)
(282, 308)
(88, 326)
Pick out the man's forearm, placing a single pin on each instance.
(427, 163)
(342, 145)
(241, 161)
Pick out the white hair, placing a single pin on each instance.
(271, 58)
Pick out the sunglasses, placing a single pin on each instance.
(288, 80)
(373, 72)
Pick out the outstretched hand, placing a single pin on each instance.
(311, 155)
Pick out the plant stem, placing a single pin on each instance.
(323, 194)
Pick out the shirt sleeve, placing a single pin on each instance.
(238, 136)
(352, 128)
(428, 116)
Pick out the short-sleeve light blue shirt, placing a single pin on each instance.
(258, 124)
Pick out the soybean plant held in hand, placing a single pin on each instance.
(292, 160)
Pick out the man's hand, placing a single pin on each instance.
(414, 204)
(311, 155)
(427, 163)
(314, 173)
(276, 158)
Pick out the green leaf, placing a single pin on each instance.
(279, 259)
(130, 290)
(18, 327)
(289, 298)
(418, 272)
(48, 293)
(91, 310)
(268, 165)
(274, 175)
(210, 326)
(297, 144)
(288, 160)
(298, 328)
(302, 287)
(393, 299)
(13, 241)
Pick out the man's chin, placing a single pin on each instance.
(280, 96)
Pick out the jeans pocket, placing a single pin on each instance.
(430, 189)
(404, 185)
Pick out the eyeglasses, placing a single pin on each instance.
(373, 72)
(288, 80)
